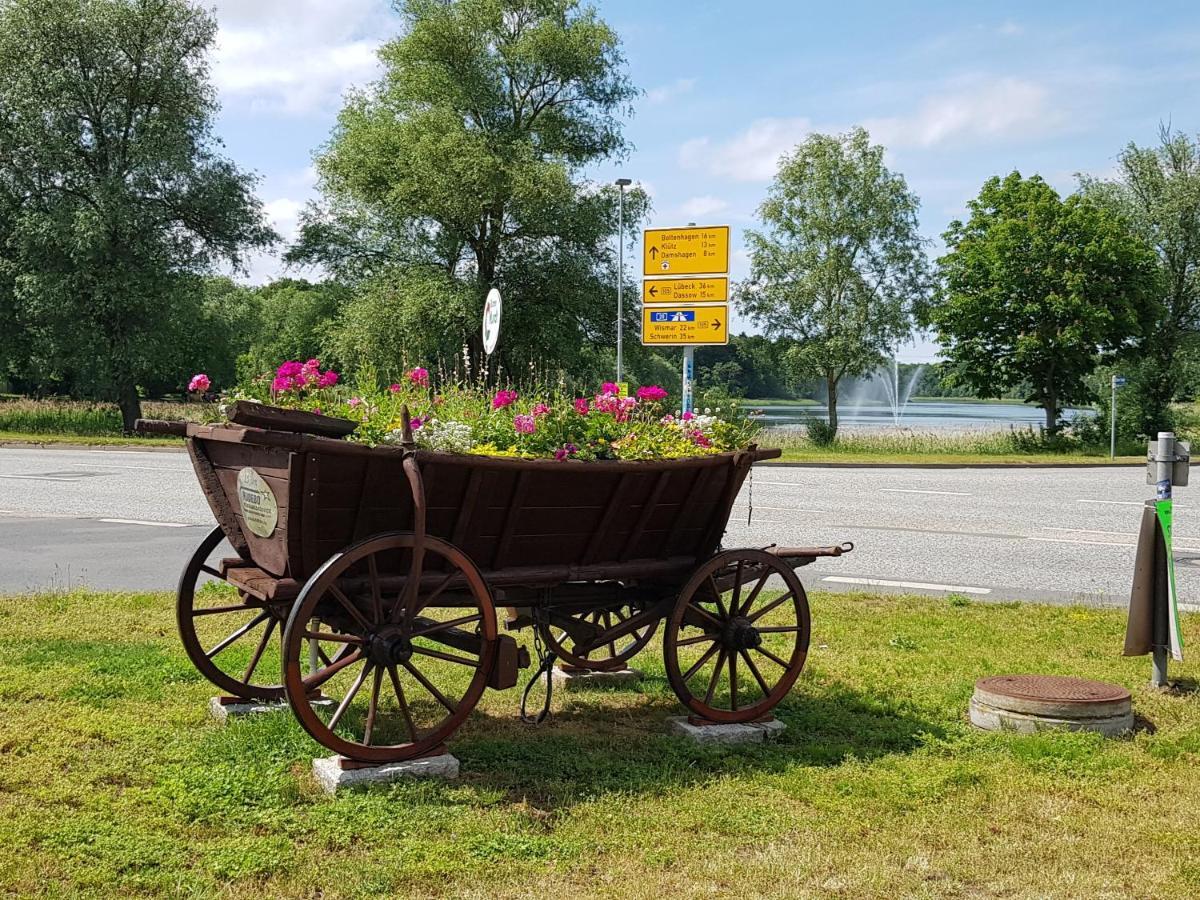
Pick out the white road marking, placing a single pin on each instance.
(1051, 540)
(144, 522)
(920, 585)
(914, 491)
(1090, 531)
(780, 509)
(145, 468)
(1115, 502)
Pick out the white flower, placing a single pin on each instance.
(449, 437)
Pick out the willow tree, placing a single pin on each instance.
(463, 166)
(839, 265)
(113, 192)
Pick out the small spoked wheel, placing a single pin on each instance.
(605, 657)
(412, 646)
(734, 646)
(230, 637)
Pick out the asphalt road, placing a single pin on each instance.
(129, 520)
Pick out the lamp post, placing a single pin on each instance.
(622, 183)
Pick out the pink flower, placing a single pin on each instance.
(416, 423)
(289, 369)
(311, 369)
(281, 383)
(199, 383)
(503, 399)
(355, 402)
(565, 452)
(317, 410)
(419, 377)
(700, 440)
(610, 387)
(524, 424)
(395, 388)
(581, 405)
(688, 416)
(540, 409)
(327, 379)
(651, 393)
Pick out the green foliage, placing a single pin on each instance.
(820, 433)
(750, 365)
(1034, 288)
(461, 169)
(839, 265)
(295, 320)
(112, 190)
(1157, 191)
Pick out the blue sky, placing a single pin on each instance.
(957, 92)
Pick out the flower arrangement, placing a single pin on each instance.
(525, 422)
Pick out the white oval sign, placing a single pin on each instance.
(259, 509)
(491, 321)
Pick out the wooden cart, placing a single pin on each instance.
(381, 570)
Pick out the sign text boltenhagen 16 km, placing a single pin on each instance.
(694, 250)
(685, 325)
(686, 290)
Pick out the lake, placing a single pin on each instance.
(918, 414)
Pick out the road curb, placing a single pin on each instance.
(947, 465)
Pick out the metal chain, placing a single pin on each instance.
(546, 660)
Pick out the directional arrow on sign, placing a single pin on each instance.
(654, 253)
(653, 291)
(716, 324)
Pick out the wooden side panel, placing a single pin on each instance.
(270, 553)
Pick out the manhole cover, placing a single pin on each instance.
(1052, 687)
(1032, 702)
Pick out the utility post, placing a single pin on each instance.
(622, 183)
(1118, 381)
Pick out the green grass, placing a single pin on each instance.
(114, 783)
(79, 422)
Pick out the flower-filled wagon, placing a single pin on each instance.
(366, 579)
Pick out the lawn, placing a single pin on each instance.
(24, 420)
(113, 781)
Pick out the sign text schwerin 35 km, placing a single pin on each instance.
(695, 250)
(685, 324)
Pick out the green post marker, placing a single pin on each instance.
(1174, 641)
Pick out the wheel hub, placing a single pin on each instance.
(388, 647)
(740, 634)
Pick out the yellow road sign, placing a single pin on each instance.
(686, 251)
(685, 324)
(685, 290)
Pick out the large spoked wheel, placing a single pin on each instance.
(417, 644)
(605, 657)
(228, 636)
(733, 648)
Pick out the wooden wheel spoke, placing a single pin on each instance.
(612, 644)
(241, 632)
(400, 699)
(376, 599)
(350, 695)
(707, 636)
(712, 583)
(708, 654)
(733, 698)
(209, 570)
(258, 651)
(333, 636)
(218, 610)
(372, 707)
(779, 629)
(771, 656)
(754, 671)
(444, 626)
(314, 681)
(429, 686)
(735, 602)
(778, 601)
(349, 607)
(705, 614)
(716, 677)
(448, 657)
(753, 595)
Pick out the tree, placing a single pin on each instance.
(1157, 191)
(1034, 288)
(839, 265)
(467, 158)
(116, 194)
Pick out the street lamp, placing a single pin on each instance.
(622, 183)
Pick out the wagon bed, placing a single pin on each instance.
(386, 561)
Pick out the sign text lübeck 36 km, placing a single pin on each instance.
(686, 290)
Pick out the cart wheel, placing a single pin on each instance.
(414, 670)
(732, 650)
(234, 638)
(606, 657)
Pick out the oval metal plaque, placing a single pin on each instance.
(259, 509)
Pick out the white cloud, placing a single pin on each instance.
(284, 216)
(665, 92)
(297, 56)
(751, 156)
(974, 111)
(699, 207)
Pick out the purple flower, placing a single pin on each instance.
(503, 399)
(524, 424)
(581, 405)
(419, 377)
(327, 379)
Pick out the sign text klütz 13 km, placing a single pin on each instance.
(685, 325)
(695, 250)
(686, 290)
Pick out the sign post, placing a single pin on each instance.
(1117, 382)
(685, 292)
